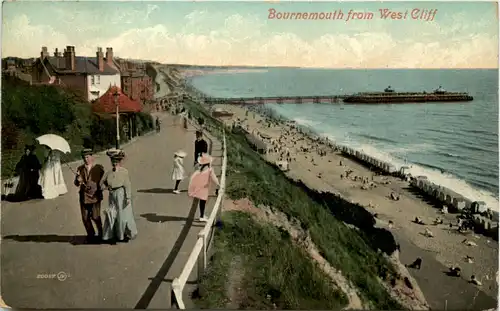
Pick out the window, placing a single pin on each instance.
(98, 79)
(92, 80)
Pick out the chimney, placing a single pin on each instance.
(44, 52)
(100, 59)
(69, 56)
(109, 56)
(56, 53)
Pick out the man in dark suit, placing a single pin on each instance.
(200, 146)
(87, 179)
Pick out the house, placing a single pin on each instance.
(90, 75)
(137, 86)
(135, 82)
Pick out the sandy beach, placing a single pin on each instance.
(322, 168)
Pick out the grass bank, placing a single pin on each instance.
(262, 265)
(30, 111)
(348, 250)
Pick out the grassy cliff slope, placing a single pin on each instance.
(348, 250)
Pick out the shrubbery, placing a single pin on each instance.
(31, 111)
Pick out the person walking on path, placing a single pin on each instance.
(184, 118)
(200, 183)
(28, 169)
(88, 177)
(200, 146)
(158, 124)
(119, 223)
(51, 178)
(178, 172)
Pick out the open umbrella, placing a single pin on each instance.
(54, 142)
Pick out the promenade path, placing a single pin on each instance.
(44, 237)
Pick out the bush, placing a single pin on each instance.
(30, 111)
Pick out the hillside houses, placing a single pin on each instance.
(90, 75)
(135, 82)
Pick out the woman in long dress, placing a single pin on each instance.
(119, 223)
(184, 118)
(178, 172)
(51, 176)
(28, 169)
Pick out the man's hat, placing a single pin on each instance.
(87, 151)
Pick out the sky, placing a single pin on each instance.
(460, 34)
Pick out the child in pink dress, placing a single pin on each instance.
(200, 183)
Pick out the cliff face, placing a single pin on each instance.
(167, 79)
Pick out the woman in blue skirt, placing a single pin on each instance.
(119, 223)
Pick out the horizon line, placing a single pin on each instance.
(290, 67)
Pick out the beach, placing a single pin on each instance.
(320, 167)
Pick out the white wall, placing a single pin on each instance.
(101, 84)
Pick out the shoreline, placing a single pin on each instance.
(437, 255)
(457, 187)
(440, 252)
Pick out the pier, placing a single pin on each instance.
(277, 100)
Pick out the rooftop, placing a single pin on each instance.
(83, 64)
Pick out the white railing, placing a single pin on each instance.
(199, 253)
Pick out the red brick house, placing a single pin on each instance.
(135, 82)
(92, 76)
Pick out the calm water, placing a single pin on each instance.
(460, 139)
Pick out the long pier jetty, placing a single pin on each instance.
(277, 100)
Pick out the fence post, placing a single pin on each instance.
(177, 294)
(202, 259)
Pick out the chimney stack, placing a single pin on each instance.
(44, 52)
(109, 56)
(56, 53)
(69, 56)
(100, 59)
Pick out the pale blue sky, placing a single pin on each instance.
(463, 34)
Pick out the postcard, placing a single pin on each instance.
(250, 155)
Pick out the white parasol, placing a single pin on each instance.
(54, 142)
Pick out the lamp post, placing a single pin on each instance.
(116, 95)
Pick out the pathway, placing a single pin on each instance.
(45, 265)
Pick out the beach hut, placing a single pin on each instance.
(441, 194)
(458, 203)
(403, 170)
(392, 169)
(452, 197)
(478, 207)
(495, 215)
(419, 182)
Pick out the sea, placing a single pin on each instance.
(454, 144)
